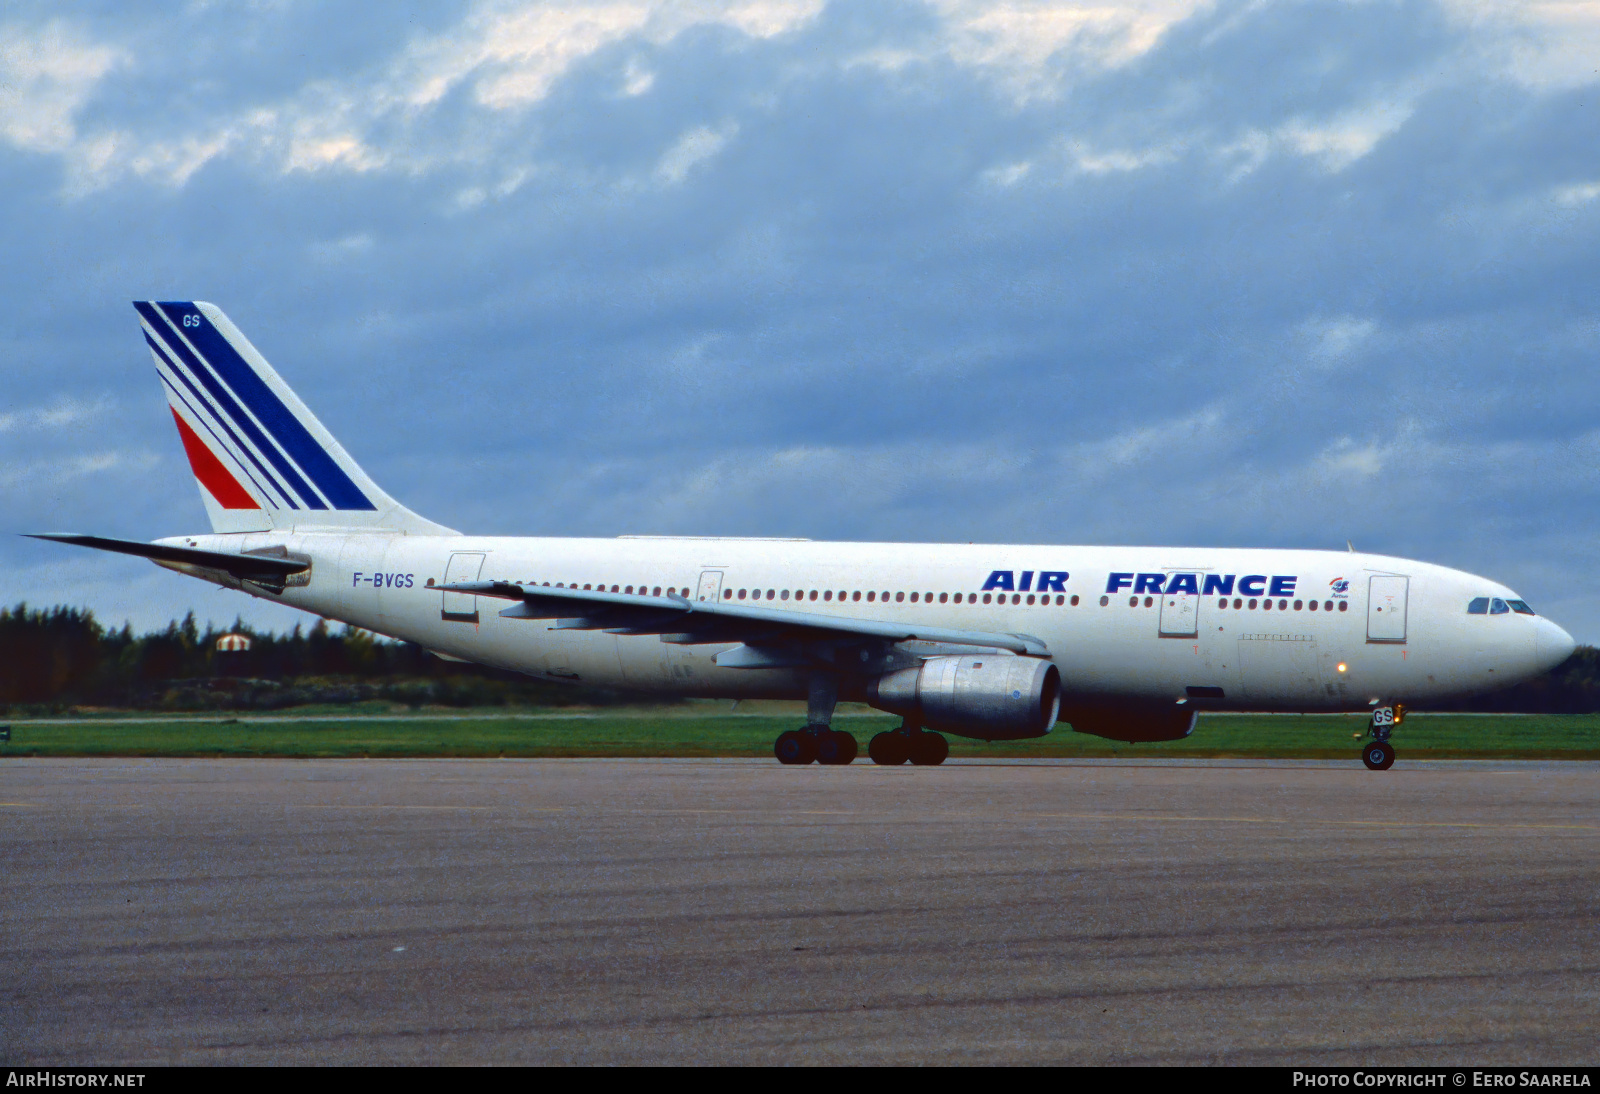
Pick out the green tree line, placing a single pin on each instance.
(52, 658)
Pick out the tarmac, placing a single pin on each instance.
(734, 911)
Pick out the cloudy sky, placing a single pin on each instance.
(1259, 274)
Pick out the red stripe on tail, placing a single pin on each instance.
(209, 470)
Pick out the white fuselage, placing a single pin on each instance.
(1108, 630)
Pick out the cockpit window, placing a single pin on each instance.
(1483, 605)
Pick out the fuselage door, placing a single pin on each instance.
(1386, 608)
(1180, 615)
(461, 607)
(710, 586)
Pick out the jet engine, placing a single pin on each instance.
(995, 697)
(1130, 721)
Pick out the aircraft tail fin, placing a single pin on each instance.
(262, 460)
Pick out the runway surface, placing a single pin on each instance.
(713, 911)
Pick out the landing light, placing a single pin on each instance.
(1342, 667)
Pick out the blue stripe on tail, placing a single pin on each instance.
(278, 419)
(204, 422)
(209, 380)
(211, 412)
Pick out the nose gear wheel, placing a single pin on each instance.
(1378, 756)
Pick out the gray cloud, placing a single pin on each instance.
(1277, 275)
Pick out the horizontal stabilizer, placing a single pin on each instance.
(252, 567)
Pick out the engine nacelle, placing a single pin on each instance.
(1131, 722)
(994, 697)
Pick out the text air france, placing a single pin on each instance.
(1050, 581)
(1203, 584)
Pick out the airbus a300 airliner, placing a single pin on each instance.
(995, 642)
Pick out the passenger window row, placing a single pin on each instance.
(873, 596)
(1480, 606)
(1283, 605)
(826, 595)
(1241, 604)
(642, 590)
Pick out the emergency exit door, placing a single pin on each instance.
(461, 607)
(710, 586)
(1180, 615)
(1386, 608)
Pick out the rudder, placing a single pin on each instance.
(262, 460)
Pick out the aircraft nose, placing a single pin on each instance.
(1552, 644)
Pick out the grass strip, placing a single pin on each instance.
(1553, 737)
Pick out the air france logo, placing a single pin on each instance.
(1214, 584)
(1050, 581)
(1339, 586)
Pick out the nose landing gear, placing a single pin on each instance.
(1379, 755)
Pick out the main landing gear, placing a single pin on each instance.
(819, 744)
(815, 743)
(818, 741)
(909, 742)
(1379, 754)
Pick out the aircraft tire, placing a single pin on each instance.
(889, 749)
(1378, 756)
(929, 749)
(834, 748)
(794, 747)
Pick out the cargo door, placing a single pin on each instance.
(1386, 608)
(710, 586)
(1180, 615)
(1280, 668)
(461, 607)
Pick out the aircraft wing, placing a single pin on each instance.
(252, 567)
(771, 637)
